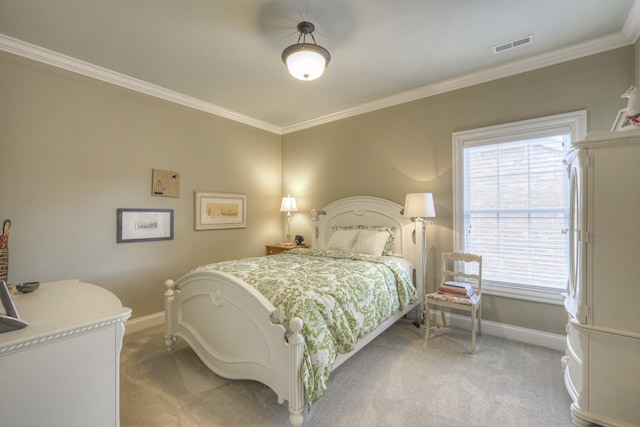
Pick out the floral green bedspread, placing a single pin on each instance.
(339, 296)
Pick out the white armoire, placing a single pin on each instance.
(602, 362)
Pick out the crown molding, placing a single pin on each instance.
(581, 50)
(625, 37)
(49, 57)
(631, 26)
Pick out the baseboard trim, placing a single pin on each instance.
(144, 322)
(502, 330)
(510, 332)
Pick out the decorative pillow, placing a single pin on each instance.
(388, 247)
(342, 240)
(370, 242)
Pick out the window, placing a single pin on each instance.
(511, 203)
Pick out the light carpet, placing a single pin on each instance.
(394, 381)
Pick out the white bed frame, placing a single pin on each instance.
(228, 323)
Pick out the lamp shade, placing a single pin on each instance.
(288, 204)
(419, 205)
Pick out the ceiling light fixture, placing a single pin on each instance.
(306, 61)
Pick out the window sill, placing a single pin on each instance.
(529, 293)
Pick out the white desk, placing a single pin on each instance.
(64, 368)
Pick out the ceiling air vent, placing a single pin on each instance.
(513, 44)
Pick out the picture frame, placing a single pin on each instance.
(11, 320)
(622, 122)
(215, 211)
(165, 183)
(142, 225)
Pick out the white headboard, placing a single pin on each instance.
(364, 210)
(367, 210)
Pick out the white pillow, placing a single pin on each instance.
(370, 242)
(342, 240)
(388, 248)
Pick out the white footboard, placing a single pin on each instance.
(227, 323)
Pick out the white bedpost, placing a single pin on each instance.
(296, 388)
(169, 339)
(315, 231)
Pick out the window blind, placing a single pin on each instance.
(516, 210)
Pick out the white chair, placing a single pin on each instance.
(460, 288)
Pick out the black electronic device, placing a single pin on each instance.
(299, 240)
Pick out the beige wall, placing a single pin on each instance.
(408, 148)
(74, 149)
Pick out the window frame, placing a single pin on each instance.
(574, 123)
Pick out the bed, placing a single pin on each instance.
(268, 342)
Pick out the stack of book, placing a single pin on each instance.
(457, 289)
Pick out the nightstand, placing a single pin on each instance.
(276, 248)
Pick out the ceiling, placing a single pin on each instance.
(223, 56)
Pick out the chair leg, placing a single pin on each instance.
(480, 320)
(442, 315)
(473, 331)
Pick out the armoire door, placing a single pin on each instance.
(575, 302)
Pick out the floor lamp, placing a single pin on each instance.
(419, 206)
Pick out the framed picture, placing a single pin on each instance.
(216, 211)
(165, 183)
(11, 320)
(622, 122)
(141, 225)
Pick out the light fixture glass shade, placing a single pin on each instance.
(305, 61)
(288, 204)
(419, 205)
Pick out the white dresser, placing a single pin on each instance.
(602, 364)
(63, 369)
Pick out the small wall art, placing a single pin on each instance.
(140, 225)
(165, 183)
(220, 210)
